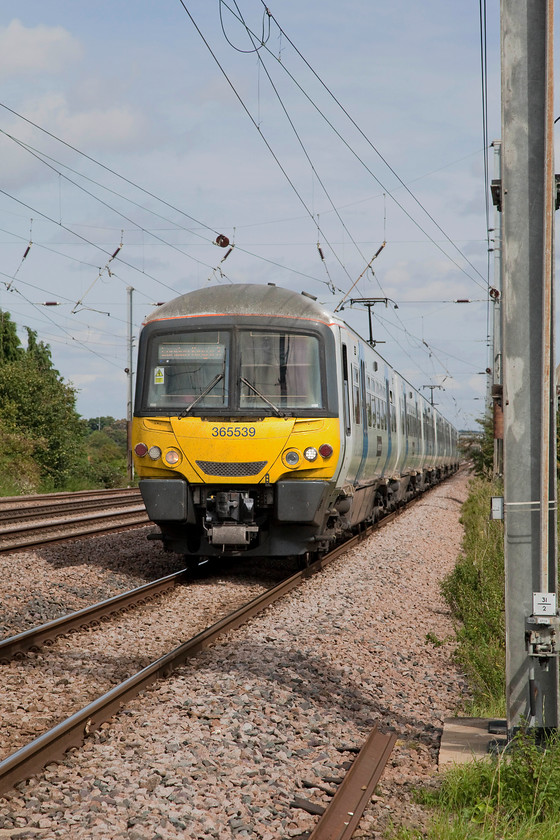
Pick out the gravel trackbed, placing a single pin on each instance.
(223, 747)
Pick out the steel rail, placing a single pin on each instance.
(74, 731)
(53, 498)
(58, 523)
(80, 619)
(62, 530)
(343, 813)
(10, 515)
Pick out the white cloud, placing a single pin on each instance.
(39, 49)
(110, 127)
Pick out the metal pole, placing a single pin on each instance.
(129, 464)
(432, 388)
(529, 406)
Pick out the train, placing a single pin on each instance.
(264, 425)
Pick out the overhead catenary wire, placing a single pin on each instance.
(84, 239)
(374, 148)
(296, 133)
(68, 334)
(106, 268)
(240, 18)
(282, 267)
(43, 157)
(255, 124)
(101, 201)
(107, 168)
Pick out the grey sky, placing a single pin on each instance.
(135, 88)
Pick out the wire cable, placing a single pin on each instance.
(377, 152)
(297, 135)
(255, 124)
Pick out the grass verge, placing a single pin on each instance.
(474, 591)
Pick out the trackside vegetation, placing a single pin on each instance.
(513, 795)
(44, 443)
(474, 591)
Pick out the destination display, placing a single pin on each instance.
(183, 352)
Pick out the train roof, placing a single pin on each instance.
(243, 299)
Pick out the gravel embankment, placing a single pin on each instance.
(45, 583)
(221, 748)
(65, 675)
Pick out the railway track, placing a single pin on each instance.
(30, 640)
(214, 706)
(74, 731)
(29, 521)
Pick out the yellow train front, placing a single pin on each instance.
(236, 436)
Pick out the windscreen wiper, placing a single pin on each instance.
(201, 396)
(263, 398)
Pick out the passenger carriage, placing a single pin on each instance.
(264, 425)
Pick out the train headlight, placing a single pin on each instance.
(154, 452)
(310, 454)
(141, 450)
(173, 457)
(326, 450)
(291, 458)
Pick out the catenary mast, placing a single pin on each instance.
(528, 200)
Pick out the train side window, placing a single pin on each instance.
(346, 385)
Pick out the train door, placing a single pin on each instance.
(417, 452)
(389, 467)
(346, 391)
(402, 426)
(361, 409)
(352, 412)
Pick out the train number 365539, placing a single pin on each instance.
(233, 431)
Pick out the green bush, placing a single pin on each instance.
(474, 591)
(19, 469)
(507, 797)
(106, 448)
(38, 407)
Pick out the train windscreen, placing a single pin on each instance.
(189, 367)
(196, 370)
(280, 368)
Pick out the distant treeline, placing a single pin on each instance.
(44, 443)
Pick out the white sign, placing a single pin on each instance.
(544, 603)
(497, 509)
(159, 376)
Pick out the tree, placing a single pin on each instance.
(480, 447)
(10, 345)
(107, 448)
(38, 405)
